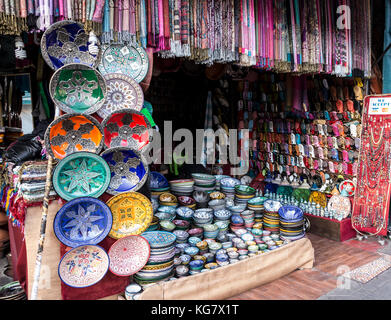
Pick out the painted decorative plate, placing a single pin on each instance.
(77, 88)
(71, 133)
(82, 221)
(83, 266)
(127, 128)
(318, 197)
(130, 60)
(272, 205)
(132, 214)
(290, 213)
(129, 170)
(348, 186)
(81, 174)
(157, 180)
(159, 239)
(66, 42)
(340, 204)
(122, 93)
(129, 255)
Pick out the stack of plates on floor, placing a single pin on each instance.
(291, 223)
(256, 205)
(227, 185)
(243, 194)
(204, 182)
(12, 291)
(184, 187)
(271, 218)
(160, 265)
(158, 184)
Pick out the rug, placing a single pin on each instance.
(370, 270)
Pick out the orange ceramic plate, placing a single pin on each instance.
(72, 133)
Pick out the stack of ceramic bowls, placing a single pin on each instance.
(181, 224)
(256, 205)
(160, 264)
(167, 225)
(223, 228)
(154, 224)
(291, 223)
(158, 184)
(204, 182)
(217, 204)
(165, 213)
(237, 209)
(218, 179)
(227, 185)
(167, 199)
(183, 187)
(187, 201)
(271, 218)
(196, 266)
(237, 222)
(184, 213)
(181, 236)
(202, 217)
(243, 194)
(257, 232)
(222, 215)
(201, 198)
(211, 231)
(248, 217)
(216, 195)
(196, 232)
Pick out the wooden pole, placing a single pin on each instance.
(45, 206)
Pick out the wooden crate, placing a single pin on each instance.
(330, 228)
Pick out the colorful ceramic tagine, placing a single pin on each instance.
(83, 266)
(129, 170)
(71, 133)
(66, 42)
(131, 60)
(82, 221)
(122, 93)
(127, 128)
(77, 88)
(81, 174)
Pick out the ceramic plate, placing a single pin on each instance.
(290, 213)
(127, 128)
(340, 204)
(77, 88)
(71, 133)
(132, 214)
(129, 255)
(82, 221)
(122, 93)
(129, 170)
(157, 180)
(159, 239)
(272, 206)
(347, 186)
(130, 60)
(83, 266)
(81, 174)
(66, 42)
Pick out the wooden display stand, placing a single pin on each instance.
(330, 228)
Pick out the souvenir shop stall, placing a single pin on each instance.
(90, 218)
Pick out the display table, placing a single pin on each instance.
(221, 283)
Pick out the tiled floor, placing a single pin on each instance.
(325, 281)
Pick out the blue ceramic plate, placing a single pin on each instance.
(129, 170)
(82, 221)
(66, 42)
(159, 239)
(290, 213)
(157, 181)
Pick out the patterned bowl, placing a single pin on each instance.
(184, 212)
(217, 204)
(192, 251)
(167, 225)
(200, 196)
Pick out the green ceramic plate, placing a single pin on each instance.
(78, 88)
(81, 174)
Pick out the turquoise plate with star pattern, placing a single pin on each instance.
(82, 221)
(81, 174)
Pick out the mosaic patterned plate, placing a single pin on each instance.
(77, 88)
(122, 93)
(129, 170)
(340, 204)
(130, 60)
(66, 42)
(82, 221)
(132, 214)
(159, 239)
(81, 174)
(129, 255)
(83, 266)
(348, 186)
(127, 128)
(71, 133)
(157, 180)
